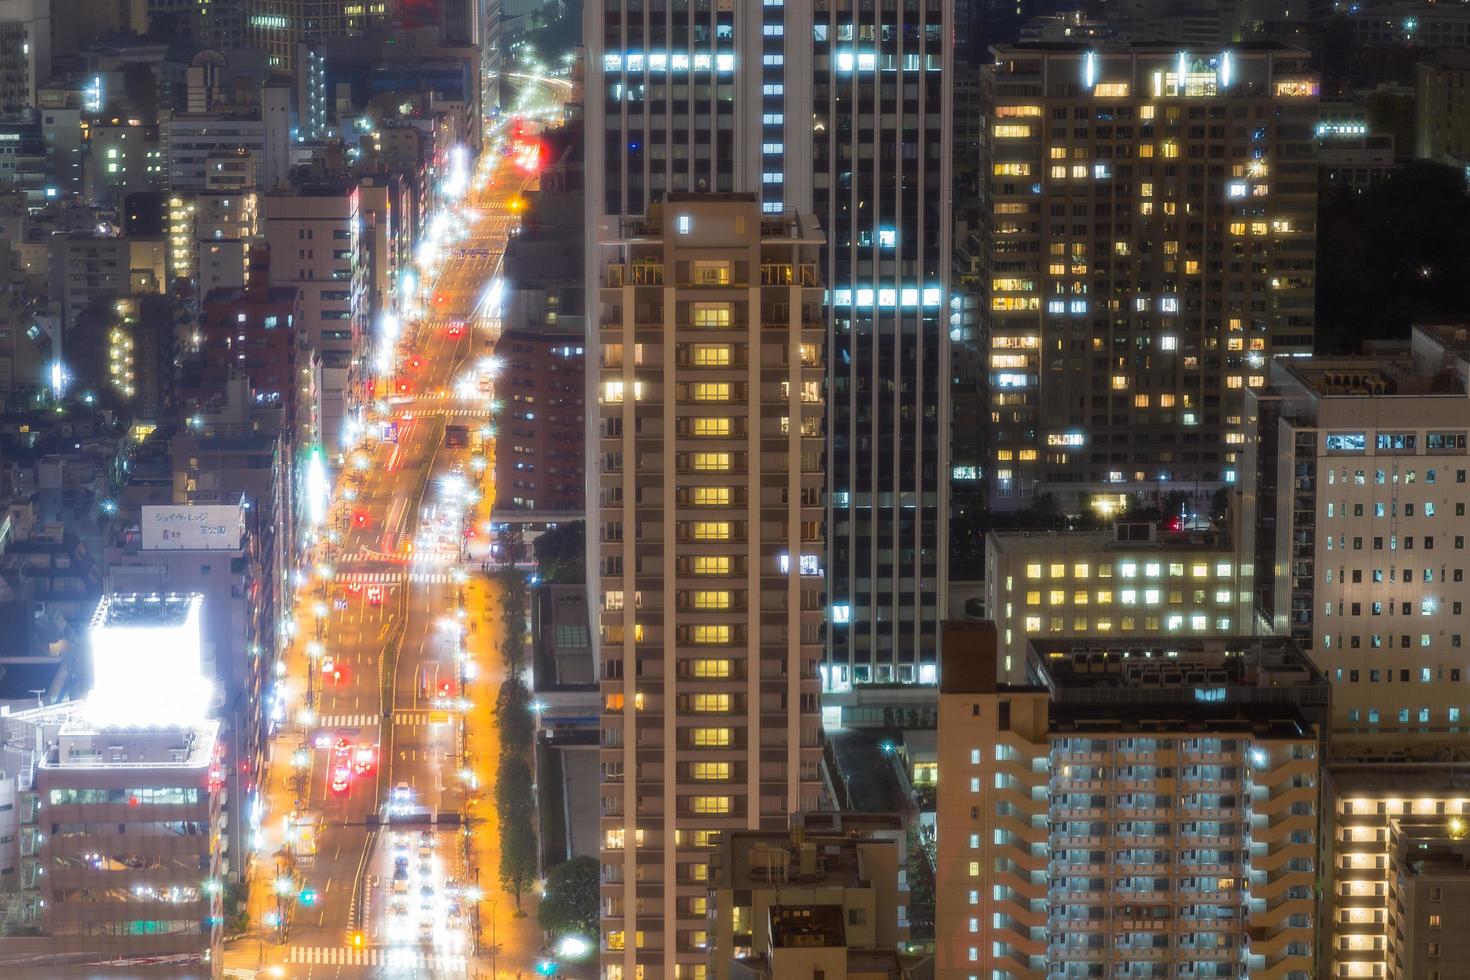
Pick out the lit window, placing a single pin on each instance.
(710, 634)
(709, 738)
(709, 703)
(710, 669)
(711, 355)
(711, 565)
(710, 530)
(709, 772)
(709, 804)
(685, 224)
(710, 496)
(710, 462)
(716, 427)
(710, 391)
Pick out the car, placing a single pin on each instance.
(364, 759)
(329, 664)
(400, 844)
(375, 595)
(399, 907)
(402, 793)
(426, 930)
(426, 892)
(425, 852)
(401, 861)
(426, 838)
(426, 870)
(400, 887)
(341, 777)
(400, 874)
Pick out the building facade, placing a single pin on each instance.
(710, 424)
(1132, 580)
(1371, 463)
(1138, 803)
(540, 454)
(845, 114)
(1152, 243)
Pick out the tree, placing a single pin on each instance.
(513, 710)
(514, 787)
(1220, 505)
(571, 899)
(517, 856)
(561, 554)
(236, 901)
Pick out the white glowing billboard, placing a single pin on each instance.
(194, 527)
(146, 661)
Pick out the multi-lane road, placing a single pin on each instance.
(376, 849)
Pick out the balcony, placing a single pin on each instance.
(619, 274)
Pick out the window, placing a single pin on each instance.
(709, 391)
(714, 427)
(710, 462)
(685, 224)
(711, 600)
(710, 496)
(711, 355)
(709, 804)
(707, 668)
(711, 315)
(709, 703)
(711, 565)
(710, 772)
(710, 634)
(710, 530)
(709, 738)
(711, 272)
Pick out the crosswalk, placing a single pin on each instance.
(397, 578)
(370, 578)
(414, 717)
(405, 959)
(347, 721)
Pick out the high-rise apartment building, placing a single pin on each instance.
(844, 113)
(1370, 459)
(1152, 243)
(710, 425)
(1138, 805)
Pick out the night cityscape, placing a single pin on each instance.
(734, 489)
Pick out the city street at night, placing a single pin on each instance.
(377, 853)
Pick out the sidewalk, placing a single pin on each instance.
(519, 939)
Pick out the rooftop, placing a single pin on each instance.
(1379, 377)
(1126, 537)
(810, 858)
(138, 610)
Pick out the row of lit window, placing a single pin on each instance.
(1128, 597)
(1126, 569)
(1198, 622)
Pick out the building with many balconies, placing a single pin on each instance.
(1139, 803)
(710, 474)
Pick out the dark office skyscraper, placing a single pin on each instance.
(839, 109)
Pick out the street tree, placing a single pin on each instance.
(517, 856)
(570, 903)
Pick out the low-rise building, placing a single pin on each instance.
(1134, 579)
(833, 883)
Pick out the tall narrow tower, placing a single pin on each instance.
(839, 110)
(710, 426)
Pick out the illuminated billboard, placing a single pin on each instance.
(193, 527)
(146, 661)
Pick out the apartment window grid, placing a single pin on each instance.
(1156, 245)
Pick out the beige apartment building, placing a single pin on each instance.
(1396, 847)
(1143, 808)
(1151, 244)
(709, 481)
(1133, 579)
(1371, 490)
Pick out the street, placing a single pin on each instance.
(376, 852)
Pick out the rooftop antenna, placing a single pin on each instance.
(38, 691)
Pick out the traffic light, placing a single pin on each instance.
(308, 896)
(546, 968)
